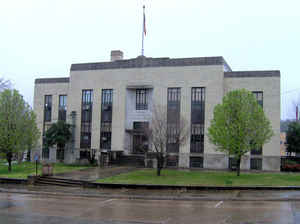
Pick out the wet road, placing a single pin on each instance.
(32, 209)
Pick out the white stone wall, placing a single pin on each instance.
(160, 79)
(42, 89)
(270, 86)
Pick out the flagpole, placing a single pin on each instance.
(143, 30)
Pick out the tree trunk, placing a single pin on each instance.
(158, 171)
(160, 163)
(28, 155)
(238, 166)
(9, 159)
(145, 160)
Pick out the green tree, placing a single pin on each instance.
(4, 84)
(239, 125)
(18, 130)
(58, 134)
(293, 137)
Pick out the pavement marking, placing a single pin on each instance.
(109, 200)
(218, 204)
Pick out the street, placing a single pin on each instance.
(32, 209)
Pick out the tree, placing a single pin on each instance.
(239, 125)
(4, 84)
(160, 133)
(58, 134)
(293, 137)
(18, 130)
(284, 125)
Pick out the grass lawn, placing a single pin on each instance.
(27, 168)
(205, 178)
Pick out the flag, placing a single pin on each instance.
(144, 22)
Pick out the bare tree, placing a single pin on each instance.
(162, 133)
(4, 84)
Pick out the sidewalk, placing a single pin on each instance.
(95, 173)
(243, 195)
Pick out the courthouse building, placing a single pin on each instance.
(108, 102)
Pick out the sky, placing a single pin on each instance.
(42, 38)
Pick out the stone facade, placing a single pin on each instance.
(157, 75)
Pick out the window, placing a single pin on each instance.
(84, 155)
(256, 151)
(105, 141)
(259, 97)
(45, 151)
(173, 133)
(172, 161)
(197, 138)
(256, 164)
(47, 108)
(174, 95)
(196, 162)
(86, 118)
(197, 119)
(173, 119)
(198, 94)
(62, 108)
(140, 125)
(106, 118)
(141, 99)
(232, 163)
(107, 96)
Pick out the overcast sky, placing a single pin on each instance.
(42, 38)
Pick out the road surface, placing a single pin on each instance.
(32, 209)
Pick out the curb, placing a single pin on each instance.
(183, 187)
(87, 184)
(4, 180)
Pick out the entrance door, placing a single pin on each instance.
(60, 154)
(139, 143)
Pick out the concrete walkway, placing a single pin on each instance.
(236, 195)
(95, 173)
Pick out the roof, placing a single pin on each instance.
(52, 80)
(144, 62)
(249, 74)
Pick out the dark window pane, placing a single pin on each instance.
(232, 163)
(197, 119)
(172, 161)
(86, 118)
(256, 164)
(45, 153)
(259, 97)
(173, 134)
(256, 151)
(106, 118)
(173, 119)
(48, 108)
(62, 109)
(196, 162)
